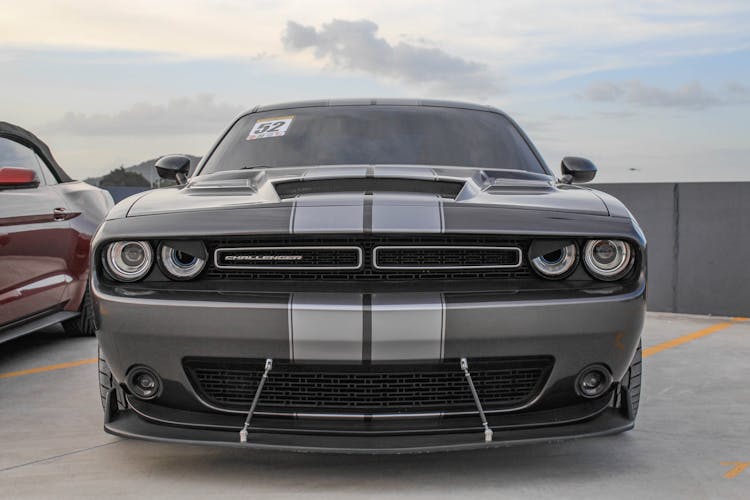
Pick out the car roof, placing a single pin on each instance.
(373, 102)
(25, 137)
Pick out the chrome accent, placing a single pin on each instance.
(452, 247)
(360, 258)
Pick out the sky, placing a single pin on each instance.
(649, 91)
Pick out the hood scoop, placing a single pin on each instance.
(442, 188)
(526, 186)
(231, 182)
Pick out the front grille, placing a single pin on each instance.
(446, 257)
(407, 266)
(369, 389)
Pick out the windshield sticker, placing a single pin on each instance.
(270, 127)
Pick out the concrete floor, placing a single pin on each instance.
(695, 414)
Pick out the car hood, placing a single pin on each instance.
(395, 185)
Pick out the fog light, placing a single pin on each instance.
(593, 381)
(144, 383)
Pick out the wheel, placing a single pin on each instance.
(107, 383)
(631, 385)
(83, 324)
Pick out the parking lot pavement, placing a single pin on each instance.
(691, 439)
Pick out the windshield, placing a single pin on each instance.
(369, 135)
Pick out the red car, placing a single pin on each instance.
(46, 223)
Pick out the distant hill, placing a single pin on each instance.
(147, 170)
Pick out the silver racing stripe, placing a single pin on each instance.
(366, 328)
(407, 213)
(356, 327)
(327, 213)
(404, 171)
(408, 326)
(368, 212)
(325, 327)
(334, 171)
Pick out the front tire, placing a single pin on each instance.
(631, 385)
(83, 324)
(107, 383)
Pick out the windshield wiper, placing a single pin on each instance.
(251, 167)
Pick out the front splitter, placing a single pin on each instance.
(127, 423)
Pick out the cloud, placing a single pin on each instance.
(689, 96)
(354, 45)
(737, 89)
(185, 115)
(616, 115)
(604, 91)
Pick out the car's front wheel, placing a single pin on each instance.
(631, 385)
(83, 324)
(107, 383)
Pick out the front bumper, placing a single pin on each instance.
(162, 330)
(154, 424)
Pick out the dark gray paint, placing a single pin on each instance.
(150, 327)
(708, 213)
(234, 189)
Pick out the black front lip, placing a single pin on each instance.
(155, 423)
(128, 424)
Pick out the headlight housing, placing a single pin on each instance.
(556, 264)
(179, 265)
(128, 260)
(608, 260)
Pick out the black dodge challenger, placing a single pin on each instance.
(370, 276)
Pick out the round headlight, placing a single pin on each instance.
(608, 260)
(128, 260)
(180, 265)
(556, 264)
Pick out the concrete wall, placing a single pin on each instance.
(698, 243)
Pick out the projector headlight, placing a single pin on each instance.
(608, 260)
(556, 264)
(179, 265)
(128, 260)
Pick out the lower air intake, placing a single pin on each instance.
(369, 389)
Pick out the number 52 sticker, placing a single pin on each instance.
(270, 127)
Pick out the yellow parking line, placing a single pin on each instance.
(737, 468)
(49, 368)
(691, 336)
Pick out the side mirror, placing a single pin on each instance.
(577, 170)
(173, 167)
(17, 178)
